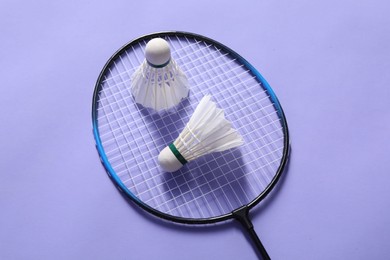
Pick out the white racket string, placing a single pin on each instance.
(210, 186)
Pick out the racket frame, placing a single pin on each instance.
(240, 214)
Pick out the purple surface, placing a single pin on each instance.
(328, 63)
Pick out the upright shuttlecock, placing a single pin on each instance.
(159, 83)
(207, 131)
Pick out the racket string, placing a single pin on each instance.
(214, 186)
(215, 63)
(206, 60)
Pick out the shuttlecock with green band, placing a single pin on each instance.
(159, 83)
(207, 131)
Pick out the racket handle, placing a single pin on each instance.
(242, 215)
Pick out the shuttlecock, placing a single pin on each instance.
(158, 82)
(207, 131)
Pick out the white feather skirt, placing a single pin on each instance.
(159, 88)
(207, 131)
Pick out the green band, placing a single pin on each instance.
(158, 66)
(177, 154)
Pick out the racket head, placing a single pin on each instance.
(129, 137)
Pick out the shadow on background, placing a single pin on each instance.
(211, 186)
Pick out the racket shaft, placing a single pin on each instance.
(242, 215)
(258, 244)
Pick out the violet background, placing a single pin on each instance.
(327, 61)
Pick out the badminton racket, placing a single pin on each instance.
(213, 188)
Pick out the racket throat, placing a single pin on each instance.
(242, 216)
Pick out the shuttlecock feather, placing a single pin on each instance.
(159, 83)
(207, 131)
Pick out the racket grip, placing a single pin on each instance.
(242, 215)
